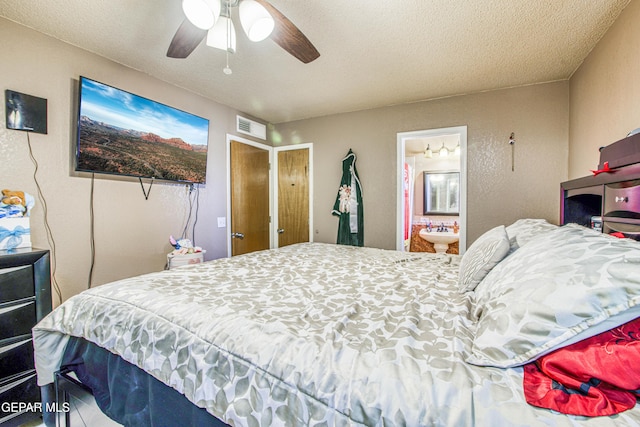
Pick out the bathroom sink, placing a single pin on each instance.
(440, 239)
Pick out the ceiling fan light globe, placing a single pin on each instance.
(222, 35)
(201, 13)
(256, 21)
(261, 29)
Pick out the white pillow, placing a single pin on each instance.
(482, 256)
(523, 230)
(564, 286)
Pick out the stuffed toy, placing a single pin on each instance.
(15, 204)
(14, 198)
(183, 246)
(345, 198)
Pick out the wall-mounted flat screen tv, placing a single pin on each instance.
(121, 133)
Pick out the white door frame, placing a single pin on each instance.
(263, 147)
(402, 137)
(274, 222)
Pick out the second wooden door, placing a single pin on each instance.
(293, 196)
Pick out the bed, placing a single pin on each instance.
(328, 335)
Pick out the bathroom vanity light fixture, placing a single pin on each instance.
(444, 151)
(428, 153)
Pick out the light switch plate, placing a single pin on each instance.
(222, 221)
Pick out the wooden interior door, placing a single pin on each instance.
(293, 196)
(249, 198)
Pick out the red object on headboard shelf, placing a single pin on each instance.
(605, 169)
(617, 234)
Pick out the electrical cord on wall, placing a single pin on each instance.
(195, 220)
(92, 236)
(52, 243)
(186, 225)
(196, 196)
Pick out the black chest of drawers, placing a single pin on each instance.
(25, 298)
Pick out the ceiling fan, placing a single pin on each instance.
(211, 19)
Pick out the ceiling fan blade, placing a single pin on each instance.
(186, 39)
(289, 37)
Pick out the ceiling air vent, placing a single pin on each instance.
(255, 129)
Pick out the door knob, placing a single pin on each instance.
(237, 235)
(280, 230)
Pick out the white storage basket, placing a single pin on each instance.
(174, 261)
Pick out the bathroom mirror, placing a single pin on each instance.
(441, 193)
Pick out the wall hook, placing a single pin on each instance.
(512, 142)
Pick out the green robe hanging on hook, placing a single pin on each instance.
(348, 206)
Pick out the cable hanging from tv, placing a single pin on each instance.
(146, 192)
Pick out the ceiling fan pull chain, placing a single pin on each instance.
(226, 69)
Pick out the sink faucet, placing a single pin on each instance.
(442, 228)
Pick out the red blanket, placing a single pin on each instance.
(595, 377)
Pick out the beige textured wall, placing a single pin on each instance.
(537, 114)
(131, 233)
(605, 93)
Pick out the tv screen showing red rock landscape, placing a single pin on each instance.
(125, 134)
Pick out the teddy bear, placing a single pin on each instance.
(15, 204)
(13, 198)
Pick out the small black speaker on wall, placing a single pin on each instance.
(25, 112)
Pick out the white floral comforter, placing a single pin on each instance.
(310, 334)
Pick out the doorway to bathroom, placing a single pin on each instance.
(432, 190)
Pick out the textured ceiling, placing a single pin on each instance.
(373, 53)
